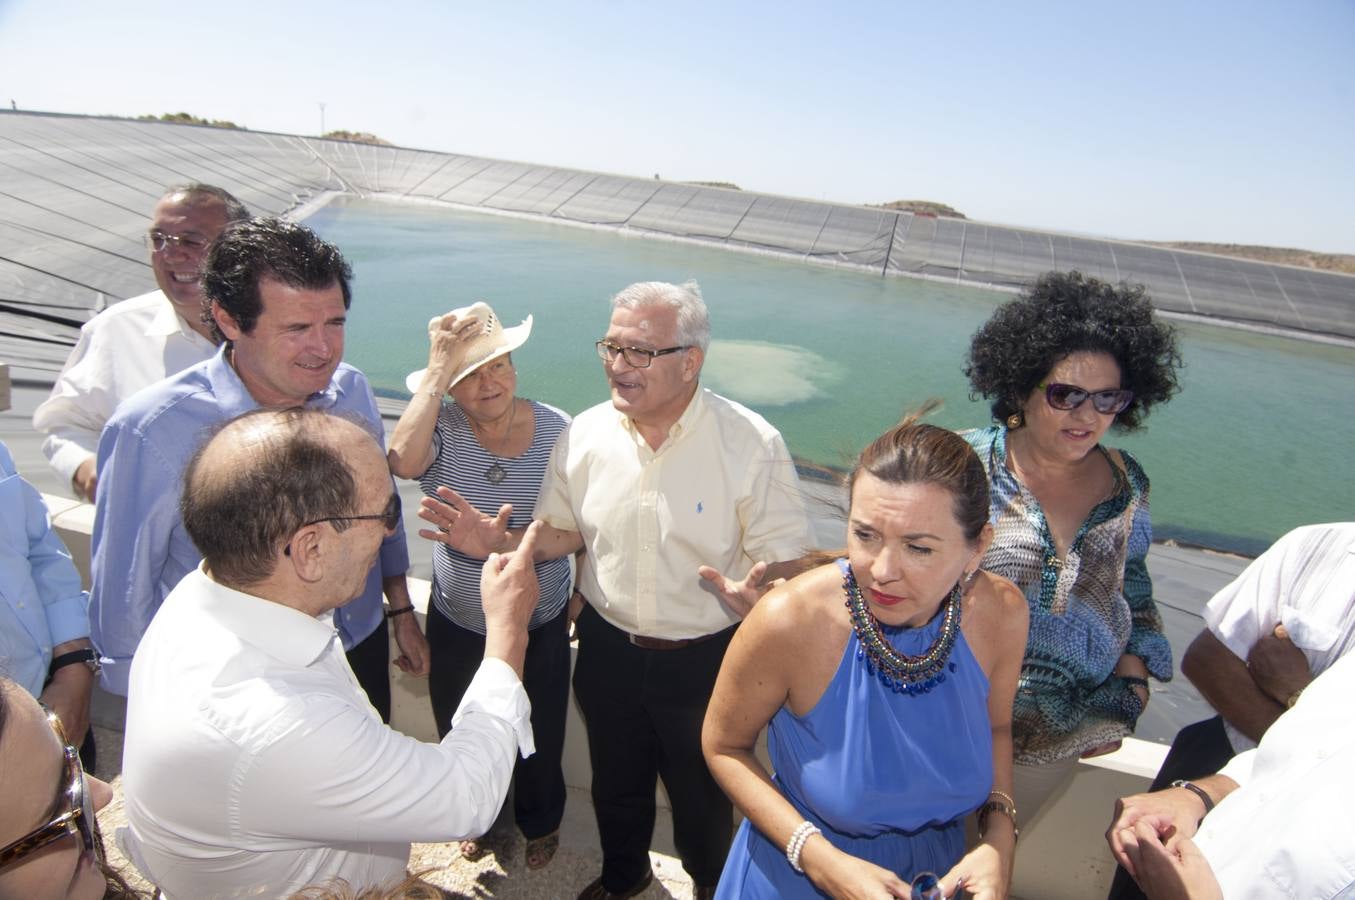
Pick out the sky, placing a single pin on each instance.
(1212, 121)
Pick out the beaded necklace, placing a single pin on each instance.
(900, 672)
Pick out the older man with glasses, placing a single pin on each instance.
(253, 764)
(279, 301)
(137, 342)
(667, 487)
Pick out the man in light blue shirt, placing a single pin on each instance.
(279, 298)
(44, 624)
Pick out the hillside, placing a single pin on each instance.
(1328, 262)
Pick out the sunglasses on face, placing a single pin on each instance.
(74, 811)
(1069, 396)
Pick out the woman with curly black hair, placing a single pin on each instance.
(1061, 364)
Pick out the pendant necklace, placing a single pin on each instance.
(900, 672)
(496, 473)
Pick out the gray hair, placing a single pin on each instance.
(693, 321)
(195, 190)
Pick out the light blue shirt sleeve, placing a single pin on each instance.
(357, 620)
(41, 601)
(137, 510)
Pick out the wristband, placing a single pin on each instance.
(391, 614)
(85, 655)
(1198, 791)
(1008, 810)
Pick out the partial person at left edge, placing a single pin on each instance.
(279, 298)
(137, 342)
(44, 618)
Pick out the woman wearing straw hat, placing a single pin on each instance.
(492, 447)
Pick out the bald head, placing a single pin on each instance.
(263, 476)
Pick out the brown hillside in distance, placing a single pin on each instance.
(1308, 259)
(922, 207)
(356, 137)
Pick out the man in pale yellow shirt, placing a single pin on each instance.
(665, 482)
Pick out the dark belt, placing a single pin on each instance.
(653, 643)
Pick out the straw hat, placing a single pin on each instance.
(491, 342)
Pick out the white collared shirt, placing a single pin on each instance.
(1289, 828)
(254, 765)
(1306, 580)
(127, 347)
(720, 491)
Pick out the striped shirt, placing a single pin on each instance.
(461, 463)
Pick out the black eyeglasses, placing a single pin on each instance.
(1068, 396)
(158, 240)
(390, 516)
(75, 810)
(635, 357)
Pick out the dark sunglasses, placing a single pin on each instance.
(390, 516)
(75, 811)
(1068, 396)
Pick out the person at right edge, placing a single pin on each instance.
(1061, 364)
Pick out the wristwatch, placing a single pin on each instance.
(86, 655)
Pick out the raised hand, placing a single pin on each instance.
(738, 595)
(462, 527)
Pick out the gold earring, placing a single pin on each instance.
(1016, 420)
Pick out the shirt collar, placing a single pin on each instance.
(234, 398)
(167, 321)
(284, 633)
(695, 407)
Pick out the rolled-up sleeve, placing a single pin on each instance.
(554, 506)
(772, 508)
(1146, 639)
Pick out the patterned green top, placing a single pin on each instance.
(1085, 612)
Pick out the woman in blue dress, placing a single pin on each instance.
(885, 681)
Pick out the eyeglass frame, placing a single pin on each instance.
(189, 243)
(608, 352)
(390, 517)
(1117, 394)
(78, 817)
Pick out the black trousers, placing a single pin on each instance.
(643, 710)
(370, 662)
(1198, 750)
(539, 780)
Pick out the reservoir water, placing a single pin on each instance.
(1258, 441)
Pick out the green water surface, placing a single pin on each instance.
(1259, 440)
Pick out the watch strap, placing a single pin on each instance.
(1198, 791)
(87, 655)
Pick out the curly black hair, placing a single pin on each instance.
(1064, 313)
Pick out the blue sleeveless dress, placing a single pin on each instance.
(887, 776)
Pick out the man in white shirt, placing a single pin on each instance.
(254, 764)
(1275, 822)
(668, 487)
(1284, 621)
(139, 341)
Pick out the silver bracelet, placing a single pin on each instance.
(802, 833)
